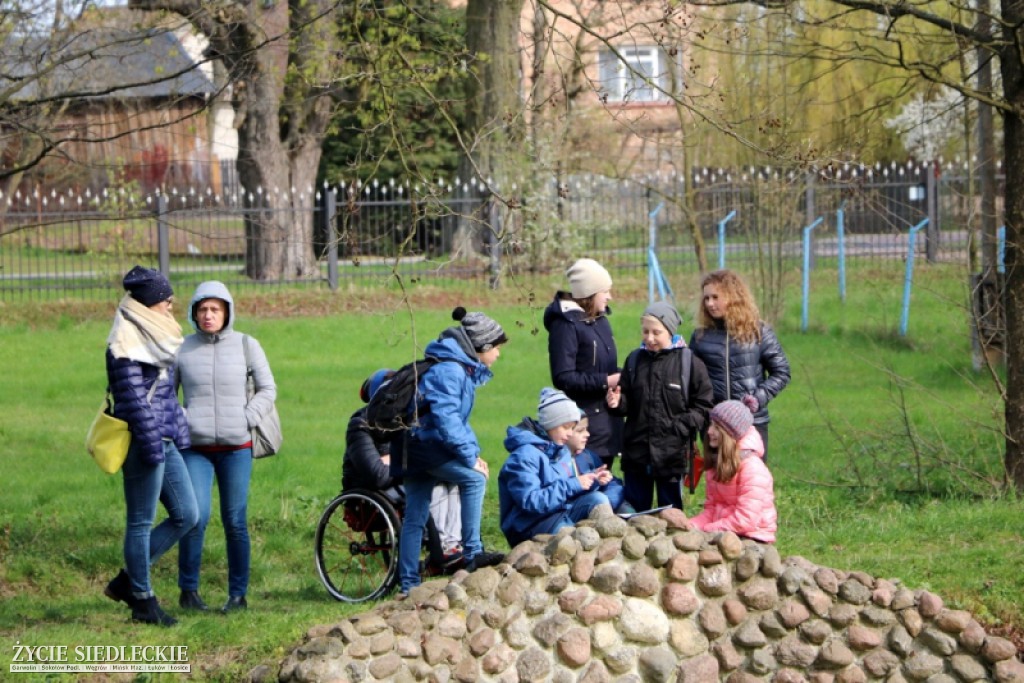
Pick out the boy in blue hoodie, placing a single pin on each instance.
(540, 489)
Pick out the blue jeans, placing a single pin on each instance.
(233, 470)
(145, 485)
(418, 490)
(580, 508)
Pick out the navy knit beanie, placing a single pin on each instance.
(147, 286)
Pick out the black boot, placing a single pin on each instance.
(148, 611)
(191, 600)
(234, 603)
(119, 589)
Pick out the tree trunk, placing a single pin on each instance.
(1013, 153)
(493, 124)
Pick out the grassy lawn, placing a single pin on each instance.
(883, 449)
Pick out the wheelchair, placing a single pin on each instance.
(357, 546)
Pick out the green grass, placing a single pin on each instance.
(853, 492)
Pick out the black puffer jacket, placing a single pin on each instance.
(150, 422)
(739, 369)
(582, 354)
(660, 426)
(363, 467)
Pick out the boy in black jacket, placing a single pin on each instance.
(666, 396)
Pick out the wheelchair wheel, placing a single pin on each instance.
(357, 546)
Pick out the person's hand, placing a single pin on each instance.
(386, 459)
(481, 467)
(612, 397)
(603, 475)
(587, 480)
(750, 401)
(613, 380)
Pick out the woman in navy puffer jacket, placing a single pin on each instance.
(141, 352)
(744, 358)
(581, 351)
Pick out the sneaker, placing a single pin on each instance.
(484, 559)
(625, 509)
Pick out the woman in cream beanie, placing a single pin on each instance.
(582, 354)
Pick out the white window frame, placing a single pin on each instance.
(637, 73)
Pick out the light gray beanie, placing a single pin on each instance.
(587, 277)
(556, 409)
(666, 313)
(483, 331)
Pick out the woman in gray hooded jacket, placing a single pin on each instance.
(212, 371)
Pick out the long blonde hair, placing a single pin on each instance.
(724, 460)
(742, 318)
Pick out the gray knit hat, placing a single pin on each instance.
(666, 313)
(556, 409)
(733, 417)
(484, 332)
(587, 277)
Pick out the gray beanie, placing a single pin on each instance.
(666, 313)
(733, 417)
(484, 332)
(587, 277)
(556, 409)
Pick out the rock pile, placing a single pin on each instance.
(649, 600)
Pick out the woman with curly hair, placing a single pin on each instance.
(741, 352)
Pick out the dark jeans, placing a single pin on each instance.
(762, 429)
(640, 485)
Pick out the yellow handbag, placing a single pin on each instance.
(108, 439)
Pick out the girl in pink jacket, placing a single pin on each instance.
(740, 489)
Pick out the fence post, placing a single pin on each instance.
(721, 238)
(810, 202)
(330, 217)
(932, 205)
(911, 240)
(807, 272)
(493, 230)
(163, 238)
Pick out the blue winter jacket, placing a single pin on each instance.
(448, 390)
(150, 422)
(536, 481)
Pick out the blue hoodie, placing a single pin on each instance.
(536, 481)
(448, 390)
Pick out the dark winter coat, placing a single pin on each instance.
(362, 467)
(150, 421)
(660, 425)
(582, 354)
(736, 369)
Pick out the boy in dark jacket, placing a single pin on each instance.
(665, 395)
(539, 488)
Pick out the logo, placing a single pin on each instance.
(99, 659)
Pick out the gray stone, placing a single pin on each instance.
(457, 596)
(834, 655)
(730, 545)
(827, 581)
(609, 549)
(771, 562)
(689, 541)
(876, 616)
(792, 613)
(761, 662)
(727, 655)
(408, 647)
(791, 580)
(997, 649)
(749, 635)
(1008, 671)
(481, 641)
(517, 633)
(385, 667)
(369, 624)
(533, 664)
(759, 594)
(792, 651)
(708, 557)
(550, 629)
(701, 669)
(900, 641)
(902, 599)
(881, 662)
(648, 526)
(535, 602)
(938, 642)
(815, 631)
(613, 526)
(842, 614)
(595, 672)
(559, 550)
(481, 583)
(404, 623)
(712, 620)
(748, 564)
(854, 592)
(608, 578)
(771, 626)
(634, 545)
(687, 639)
(851, 674)
(912, 621)
(952, 620)
(621, 660)
(973, 637)
(968, 668)
(498, 659)
(587, 537)
(570, 602)
(660, 550)
(714, 580)
(511, 590)
(643, 622)
(921, 664)
(817, 600)
(452, 625)
(438, 649)
(657, 665)
(789, 676)
(531, 564)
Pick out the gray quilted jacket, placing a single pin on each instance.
(212, 373)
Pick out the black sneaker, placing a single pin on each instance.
(484, 559)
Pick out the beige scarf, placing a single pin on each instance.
(144, 335)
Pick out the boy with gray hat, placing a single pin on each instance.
(540, 489)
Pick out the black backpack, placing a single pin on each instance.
(396, 405)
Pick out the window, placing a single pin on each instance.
(639, 74)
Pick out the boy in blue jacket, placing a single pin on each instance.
(540, 490)
(588, 461)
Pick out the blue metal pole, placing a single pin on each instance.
(908, 278)
(653, 269)
(721, 238)
(1001, 249)
(807, 271)
(841, 238)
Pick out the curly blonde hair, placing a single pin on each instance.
(742, 318)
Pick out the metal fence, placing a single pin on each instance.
(62, 245)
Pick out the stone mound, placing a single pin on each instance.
(649, 600)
